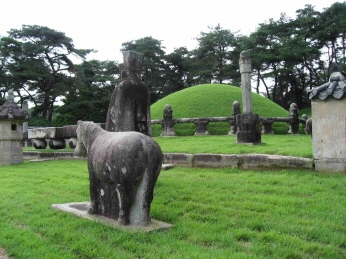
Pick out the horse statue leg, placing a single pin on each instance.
(93, 192)
(140, 208)
(124, 198)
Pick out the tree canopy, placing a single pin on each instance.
(288, 55)
(39, 66)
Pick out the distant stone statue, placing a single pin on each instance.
(129, 107)
(235, 111)
(123, 169)
(168, 123)
(294, 121)
(336, 86)
(308, 126)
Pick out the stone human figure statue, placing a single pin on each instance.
(235, 111)
(294, 121)
(168, 123)
(129, 107)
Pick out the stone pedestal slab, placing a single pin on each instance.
(80, 209)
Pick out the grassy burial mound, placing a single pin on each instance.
(213, 100)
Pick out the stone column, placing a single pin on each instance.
(248, 124)
(245, 72)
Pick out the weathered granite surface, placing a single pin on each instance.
(123, 170)
(129, 107)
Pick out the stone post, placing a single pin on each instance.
(294, 120)
(201, 127)
(267, 126)
(235, 113)
(248, 123)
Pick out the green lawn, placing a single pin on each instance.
(219, 213)
(287, 145)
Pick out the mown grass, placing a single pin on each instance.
(219, 213)
(213, 100)
(286, 145)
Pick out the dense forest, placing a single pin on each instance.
(288, 56)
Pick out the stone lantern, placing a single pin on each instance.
(11, 131)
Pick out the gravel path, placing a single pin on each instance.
(3, 254)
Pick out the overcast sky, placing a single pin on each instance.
(104, 25)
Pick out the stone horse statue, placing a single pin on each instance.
(123, 169)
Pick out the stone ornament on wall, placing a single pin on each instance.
(336, 86)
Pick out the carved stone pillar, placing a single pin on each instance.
(248, 124)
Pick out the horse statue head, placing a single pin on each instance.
(83, 140)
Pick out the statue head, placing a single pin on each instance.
(132, 65)
(167, 112)
(235, 108)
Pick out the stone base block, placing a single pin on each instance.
(80, 209)
(11, 155)
(330, 165)
(248, 128)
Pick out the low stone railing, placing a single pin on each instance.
(55, 137)
(202, 124)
